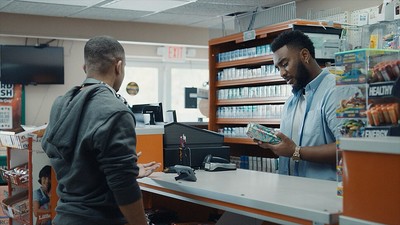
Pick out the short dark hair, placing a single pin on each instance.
(293, 39)
(44, 172)
(101, 52)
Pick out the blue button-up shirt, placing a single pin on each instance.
(319, 125)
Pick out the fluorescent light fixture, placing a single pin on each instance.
(67, 2)
(146, 5)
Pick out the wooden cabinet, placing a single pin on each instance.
(244, 84)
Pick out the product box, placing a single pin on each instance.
(262, 133)
(396, 9)
(355, 106)
(353, 128)
(19, 138)
(382, 12)
(357, 66)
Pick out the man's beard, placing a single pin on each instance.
(302, 77)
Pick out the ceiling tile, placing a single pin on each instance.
(109, 14)
(255, 3)
(209, 9)
(4, 3)
(31, 8)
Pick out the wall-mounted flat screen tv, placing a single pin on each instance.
(21, 64)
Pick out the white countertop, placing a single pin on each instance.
(389, 145)
(150, 129)
(305, 198)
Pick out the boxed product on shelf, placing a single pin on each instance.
(355, 106)
(19, 139)
(358, 66)
(18, 175)
(353, 128)
(16, 205)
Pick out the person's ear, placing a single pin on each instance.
(305, 55)
(118, 67)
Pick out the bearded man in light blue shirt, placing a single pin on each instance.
(309, 127)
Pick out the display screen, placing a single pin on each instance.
(155, 111)
(31, 65)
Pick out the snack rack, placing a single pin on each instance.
(18, 175)
(374, 112)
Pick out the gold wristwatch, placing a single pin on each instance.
(296, 154)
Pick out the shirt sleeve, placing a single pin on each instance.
(117, 159)
(36, 195)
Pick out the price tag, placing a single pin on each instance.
(249, 35)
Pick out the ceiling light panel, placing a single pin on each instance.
(67, 2)
(109, 14)
(179, 19)
(145, 5)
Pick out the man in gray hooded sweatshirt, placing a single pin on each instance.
(91, 142)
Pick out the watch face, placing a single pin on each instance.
(296, 157)
(296, 154)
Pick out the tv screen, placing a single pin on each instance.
(21, 64)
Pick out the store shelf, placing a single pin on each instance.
(276, 79)
(244, 62)
(250, 101)
(239, 140)
(248, 120)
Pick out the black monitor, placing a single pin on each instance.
(20, 64)
(155, 111)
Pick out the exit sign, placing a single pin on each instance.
(175, 54)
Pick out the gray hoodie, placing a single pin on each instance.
(91, 141)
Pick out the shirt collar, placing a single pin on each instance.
(313, 85)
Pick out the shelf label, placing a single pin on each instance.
(383, 90)
(249, 35)
(376, 133)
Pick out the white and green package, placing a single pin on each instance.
(262, 133)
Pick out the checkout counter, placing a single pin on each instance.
(265, 196)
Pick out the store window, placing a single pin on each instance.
(140, 85)
(153, 82)
(182, 78)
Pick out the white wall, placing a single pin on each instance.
(39, 98)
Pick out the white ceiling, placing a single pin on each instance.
(195, 13)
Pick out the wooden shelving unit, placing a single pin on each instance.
(263, 36)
